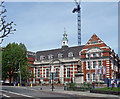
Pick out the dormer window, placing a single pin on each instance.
(50, 56)
(42, 57)
(94, 54)
(70, 54)
(60, 55)
(94, 42)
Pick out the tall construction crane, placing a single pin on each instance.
(78, 10)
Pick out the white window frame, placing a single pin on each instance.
(67, 72)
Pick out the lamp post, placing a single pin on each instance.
(20, 73)
(89, 67)
(52, 71)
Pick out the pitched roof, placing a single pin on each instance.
(64, 50)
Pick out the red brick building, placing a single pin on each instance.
(97, 53)
(93, 60)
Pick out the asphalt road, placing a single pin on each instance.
(26, 93)
(11, 92)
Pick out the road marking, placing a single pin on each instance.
(5, 95)
(17, 93)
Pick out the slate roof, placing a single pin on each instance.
(31, 54)
(64, 50)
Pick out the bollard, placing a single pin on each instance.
(31, 85)
(18, 85)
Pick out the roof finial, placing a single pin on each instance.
(64, 30)
(65, 34)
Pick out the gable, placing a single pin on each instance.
(95, 42)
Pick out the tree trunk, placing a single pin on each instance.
(10, 79)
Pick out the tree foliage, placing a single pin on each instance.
(14, 55)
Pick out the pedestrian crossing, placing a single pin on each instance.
(13, 94)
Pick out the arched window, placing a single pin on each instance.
(70, 54)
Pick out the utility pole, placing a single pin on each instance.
(20, 73)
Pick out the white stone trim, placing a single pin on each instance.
(66, 72)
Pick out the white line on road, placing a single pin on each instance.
(5, 95)
(16, 93)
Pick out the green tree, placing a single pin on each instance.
(14, 55)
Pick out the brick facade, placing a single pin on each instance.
(94, 54)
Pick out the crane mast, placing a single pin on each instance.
(78, 10)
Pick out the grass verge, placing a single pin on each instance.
(109, 89)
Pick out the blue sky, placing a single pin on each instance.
(40, 25)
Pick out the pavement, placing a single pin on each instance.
(61, 90)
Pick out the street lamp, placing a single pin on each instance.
(52, 71)
(89, 67)
(20, 73)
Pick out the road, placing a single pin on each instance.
(8, 91)
(12, 92)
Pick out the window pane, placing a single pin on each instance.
(93, 76)
(47, 72)
(99, 64)
(99, 54)
(38, 72)
(101, 77)
(68, 72)
(94, 64)
(94, 54)
(94, 42)
(57, 72)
